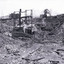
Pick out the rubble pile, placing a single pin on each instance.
(42, 49)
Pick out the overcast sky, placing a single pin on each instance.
(9, 6)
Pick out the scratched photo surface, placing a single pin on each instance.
(31, 32)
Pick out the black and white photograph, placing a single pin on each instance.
(31, 31)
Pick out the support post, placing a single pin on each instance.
(26, 16)
(20, 17)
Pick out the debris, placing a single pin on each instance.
(60, 49)
(33, 59)
(54, 62)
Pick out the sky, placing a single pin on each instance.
(38, 6)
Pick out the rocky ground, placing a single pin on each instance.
(16, 51)
(49, 50)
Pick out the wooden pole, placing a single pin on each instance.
(26, 16)
(20, 17)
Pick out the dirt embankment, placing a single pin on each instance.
(43, 50)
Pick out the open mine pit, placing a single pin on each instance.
(28, 40)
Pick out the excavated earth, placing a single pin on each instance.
(31, 51)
